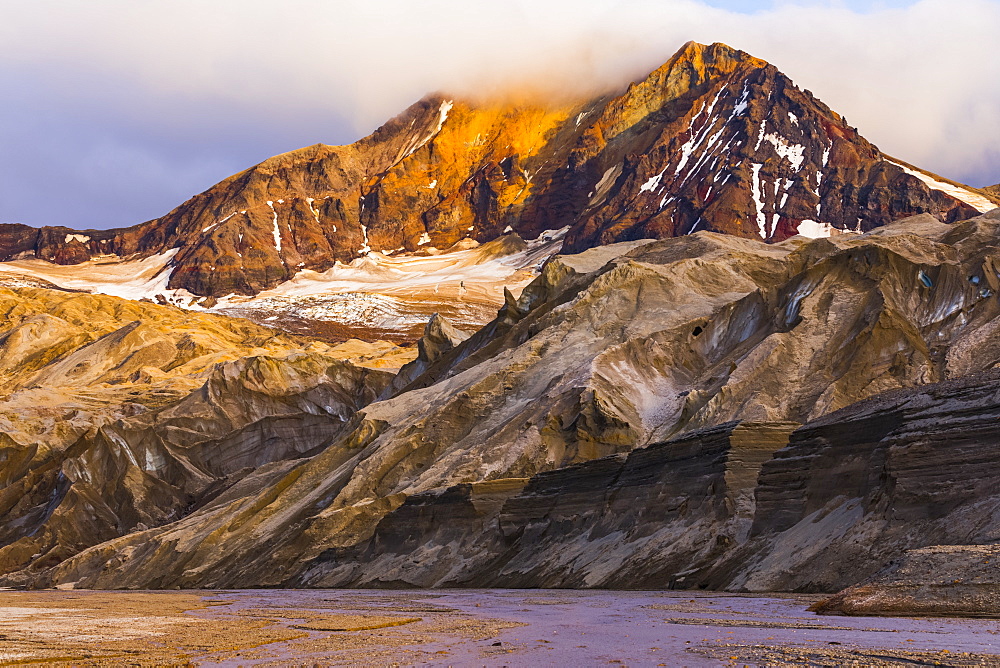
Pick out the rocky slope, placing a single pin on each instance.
(636, 521)
(112, 412)
(758, 507)
(620, 348)
(714, 140)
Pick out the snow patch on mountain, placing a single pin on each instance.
(107, 275)
(814, 230)
(276, 232)
(793, 153)
(758, 199)
(390, 292)
(379, 290)
(974, 200)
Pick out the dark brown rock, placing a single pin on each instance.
(858, 487)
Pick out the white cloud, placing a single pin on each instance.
(922, 82)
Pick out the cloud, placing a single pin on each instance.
(118, 110)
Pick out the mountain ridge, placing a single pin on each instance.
(606, 353)
(647, 162)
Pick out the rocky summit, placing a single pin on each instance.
(694, 334)
(714, 140)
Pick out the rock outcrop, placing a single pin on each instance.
(753, 507)
(620, 349)
(937, 581)
(858, 487)
(714, 140)
(651, 519)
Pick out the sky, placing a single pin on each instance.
(113, 112)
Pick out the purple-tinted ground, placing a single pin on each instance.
(592, 628)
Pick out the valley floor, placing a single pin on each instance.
(468, 627)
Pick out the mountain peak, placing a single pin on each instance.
(716, 54)
(715, 139)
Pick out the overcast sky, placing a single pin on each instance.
(112, 112)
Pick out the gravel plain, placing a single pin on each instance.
(468, 628)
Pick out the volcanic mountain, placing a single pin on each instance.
(700, 410)
(713, 140)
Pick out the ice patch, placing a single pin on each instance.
(608, 175)
(760, 136)
(365, 249)
(651, 184)
(604, 185)
(424, 239)
(696, 140)
(315, 213)
(82, 238)
(376, 289)
(219, 222)
(445, 107)
(129, 279)
(742, 104)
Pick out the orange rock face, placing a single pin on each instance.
(715, 139)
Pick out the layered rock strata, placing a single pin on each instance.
(755, 507)
(647, 520)
(857, 488)
(625, 347)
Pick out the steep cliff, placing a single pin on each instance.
(758, 507)
(647, 520)
(857, 488)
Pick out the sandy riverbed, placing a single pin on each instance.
(468, 627)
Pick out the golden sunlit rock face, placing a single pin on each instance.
(113, 412)
(715, 140)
